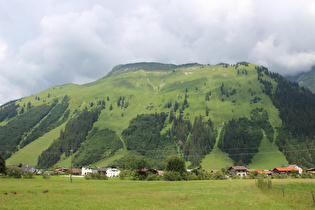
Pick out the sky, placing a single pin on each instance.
(44, 43)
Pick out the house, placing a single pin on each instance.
(29, 169)
(88, 170)
(113, 172)
(11, 166)
(311, 170)
(110, 172)
(76, 171)
(297, 167)
(238, 170)
(102, 171)
(284, 170)
(146, 171)
(61, 170)
(267, 172)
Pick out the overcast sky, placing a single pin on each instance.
(44, 43)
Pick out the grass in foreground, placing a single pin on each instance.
(126, 194)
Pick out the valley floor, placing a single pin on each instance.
(127, 194)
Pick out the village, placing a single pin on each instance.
(111, 172)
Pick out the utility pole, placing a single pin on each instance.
(71, 166)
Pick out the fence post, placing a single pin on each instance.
(313, 196)
(282, 191)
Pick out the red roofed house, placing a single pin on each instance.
(297, 167)
(261, 171)
(284, 170)
(238, 170)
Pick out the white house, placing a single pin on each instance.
(238, 170)
(88, 170)
(112, 172)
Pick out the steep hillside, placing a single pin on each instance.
(154, 110)
(308, 80)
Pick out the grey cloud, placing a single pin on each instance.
(55, 42)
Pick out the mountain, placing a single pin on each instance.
(308, 80)
(213, 115)
(305, 79)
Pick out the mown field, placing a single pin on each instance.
(128, 194)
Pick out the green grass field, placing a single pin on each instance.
(127, 194)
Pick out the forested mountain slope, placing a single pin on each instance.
(154, 110)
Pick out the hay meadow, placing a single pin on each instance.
(128, 194)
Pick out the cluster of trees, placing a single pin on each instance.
(99, 144)
(195, 140)
(121, 102)
(8, 111)
(225, 91)
(51, 121)
(261, 118)
(296, 105)
(3, 168)
(200, 142)
(75, 133)
(143, 135)
(240, 139)
(13, 132)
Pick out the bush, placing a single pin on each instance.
(87, 177)
(264, 183)
(172, 176)
(15, 172)
(154, 177)
(192, 176)
(218, 175)
(123, 174)
(235, 176)
(29, 175)
(97, 176)
(253, 174)
(46, 176)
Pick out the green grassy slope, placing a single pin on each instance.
(149, 92)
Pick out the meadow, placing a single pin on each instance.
(127, 194)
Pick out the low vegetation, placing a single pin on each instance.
(127, 194)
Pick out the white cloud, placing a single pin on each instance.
(48, 43)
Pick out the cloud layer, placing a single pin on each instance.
(48, 43)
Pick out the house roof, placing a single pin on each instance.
(292, 166)
(310, 169)
(28, 168)
(260, 171)
(238, 168)
(11, 166)
(285, 169)
(76, 170)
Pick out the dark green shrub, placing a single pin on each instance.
(29, 175)
(192, 176)
(46, 176)
(172, 176)
(87, 177)
(218, 175)
(154, 177)
(15, 172)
